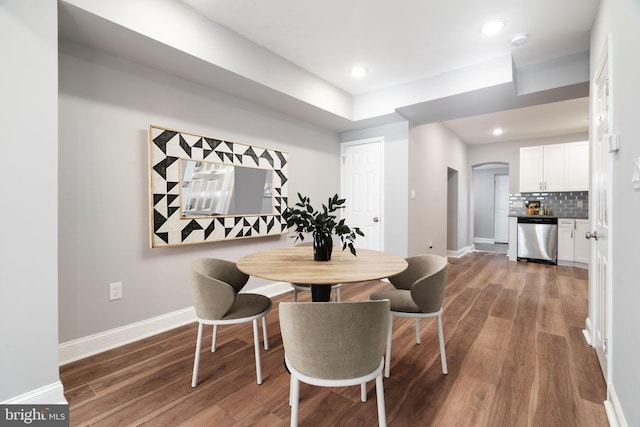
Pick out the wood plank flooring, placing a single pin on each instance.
(515, 353)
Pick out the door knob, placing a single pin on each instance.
(590, 235)
(376, 219)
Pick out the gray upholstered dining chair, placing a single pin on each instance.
(300, 287)
(215, 287)
(418, 292)
(334, 345)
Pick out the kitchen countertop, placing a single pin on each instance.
(546, 216)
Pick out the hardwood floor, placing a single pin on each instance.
(515, 353)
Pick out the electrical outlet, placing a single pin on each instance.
(115, 291)
(430, 245)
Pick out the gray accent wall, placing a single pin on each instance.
(106, 105)
(29, 217)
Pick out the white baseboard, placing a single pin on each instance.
(483, 240)
(272, 289)
(615, 416)
(80, 348)
(52, 394)
(587, 332)
(460, 252)
(575, 264)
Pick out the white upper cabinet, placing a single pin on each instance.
(557, 167)
(577, 166)
(531, 168)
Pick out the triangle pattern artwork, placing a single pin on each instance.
(169, 227)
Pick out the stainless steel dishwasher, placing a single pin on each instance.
(538, 239)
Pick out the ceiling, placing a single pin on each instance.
(403, 40)
(408, 40)
(427, 60)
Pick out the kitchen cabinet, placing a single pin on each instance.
(566, 239)
(512, 251)
(582, 251)
(577, 166)
(556, 167)
(573, 248)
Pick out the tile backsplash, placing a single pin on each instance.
(569, 204)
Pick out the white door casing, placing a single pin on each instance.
(600, 275)
(361, 179)
(501, 211)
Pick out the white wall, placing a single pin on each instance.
(432, 149)
(621, 19)
(28, 218)
(106, 106)
(396, 141)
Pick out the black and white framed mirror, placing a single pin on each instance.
(205, 189)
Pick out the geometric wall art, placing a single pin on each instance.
(171, 153)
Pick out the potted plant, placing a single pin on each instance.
(322, 224)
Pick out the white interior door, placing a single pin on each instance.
(600, 275)
(361, 184)
(501, 210)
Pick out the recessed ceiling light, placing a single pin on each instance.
(358, 72)
(492, 27)
(519, 39)
(497, 132)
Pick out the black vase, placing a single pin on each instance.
(322, 246)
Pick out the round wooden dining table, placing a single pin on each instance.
(296, 265)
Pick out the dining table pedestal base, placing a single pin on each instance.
(320, 293)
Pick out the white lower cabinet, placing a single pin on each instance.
(512, 252)
(566, 237)
(573, 247)
(582, 251)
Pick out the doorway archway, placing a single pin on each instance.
(490, 206)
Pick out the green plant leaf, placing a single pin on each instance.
(304, 218)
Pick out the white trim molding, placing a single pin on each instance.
(484, 240)
(460, 252)
(52, 394)
(615, 416)
(587, 332)
(80, 348)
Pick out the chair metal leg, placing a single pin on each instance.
(196, 359)
(291, 380)
(214, 338)
(382, 413)
(443, 356)
(418, 330)
(387, 358)
(338, 296)
(295, 295)
(295, 400)
(256, 345)
(265, 335)
(363, 392)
